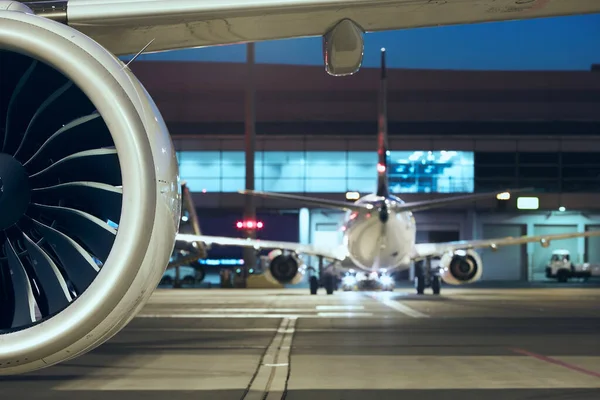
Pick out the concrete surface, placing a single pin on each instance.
(469, 343)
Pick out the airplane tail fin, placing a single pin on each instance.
(382, 134)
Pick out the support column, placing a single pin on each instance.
(250, 144)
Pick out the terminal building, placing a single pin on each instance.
(450, 132)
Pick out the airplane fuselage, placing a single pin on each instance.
(373, 244)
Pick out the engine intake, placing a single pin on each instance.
(89, 161)
(461, 267)
(284, 268)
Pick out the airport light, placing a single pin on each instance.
(352, 195)
(503, 196)
(561, 209)
(249, 224)
(528, 203)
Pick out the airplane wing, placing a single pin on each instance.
(126, 26)
(405, 207)
(338, 253)
(423, 250)
(338, 205)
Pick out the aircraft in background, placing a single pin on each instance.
(380, 233)
(187, 253)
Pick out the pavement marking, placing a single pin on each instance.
(270, 380)
(406, 310)
(344, 314)
(200, 330)
(551, 360)
(258, 316)
(331, 308)
(241, 310)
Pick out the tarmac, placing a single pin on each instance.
(469, 343)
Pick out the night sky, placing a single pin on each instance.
(564, 43)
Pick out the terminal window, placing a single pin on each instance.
(329, 171)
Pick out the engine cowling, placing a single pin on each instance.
(284, 268)
(88, 156)
(461, 267)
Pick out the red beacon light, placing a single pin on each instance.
(249, 225)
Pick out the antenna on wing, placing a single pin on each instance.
(139, 53)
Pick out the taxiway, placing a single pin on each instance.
(470, 343)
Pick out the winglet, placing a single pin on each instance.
(382, 135)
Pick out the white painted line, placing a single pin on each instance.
(406, 310)
(200, 330)
(269, 316)
(277, 316)
(331, 308)
(344, 314)
(271, 377)
(234, 310)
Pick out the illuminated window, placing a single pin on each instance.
(200, 164)
(326, 185)
(211, 185)
(233, 164)
(431, 172)
(283, 164)
(326, 165)
(328, 171)
(284, 185)
(361, 164)
(233, 184)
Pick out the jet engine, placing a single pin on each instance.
(285, 269)
(90, 201)
(461, 267)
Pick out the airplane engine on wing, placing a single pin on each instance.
(89, 193)
(284, 268)
(461, 267)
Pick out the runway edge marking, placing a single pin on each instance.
(270, 379)
(554, 361)
(401, 308)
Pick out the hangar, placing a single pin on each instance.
(450, 132)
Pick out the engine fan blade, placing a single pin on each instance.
(93, 232)
(40, 110)
(69, 139)
(53, 284)
(101, 200)
(99, 165)
(81, 269)
(24, 310)
(13, 100)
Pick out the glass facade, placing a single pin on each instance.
(552, 172)
(329, 171)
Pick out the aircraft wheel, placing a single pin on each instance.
(329, 283)
(420, 284)
(436, 285)
(314, 284)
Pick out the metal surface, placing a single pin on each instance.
(343, 48)
(150, 197)
(55, 10)
(125, 26)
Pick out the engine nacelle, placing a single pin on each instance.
(287, 269)
(461, 267)
(91, 199)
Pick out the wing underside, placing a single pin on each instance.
(423, 250)
(126, 26)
